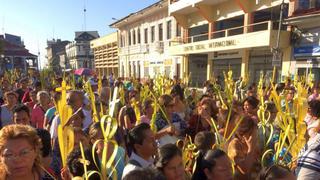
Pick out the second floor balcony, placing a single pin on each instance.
(188, 6)
(134, 49)
(260, 34)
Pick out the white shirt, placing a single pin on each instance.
(54, 127)
(130, 167)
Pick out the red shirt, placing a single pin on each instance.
(30, 105)
(37, 117)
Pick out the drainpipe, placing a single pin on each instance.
(276, 50)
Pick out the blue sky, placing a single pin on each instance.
(39, 20)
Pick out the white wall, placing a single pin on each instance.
(151, 56)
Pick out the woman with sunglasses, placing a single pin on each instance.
(201, 120)
(20, 153)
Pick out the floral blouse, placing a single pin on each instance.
(161, 122)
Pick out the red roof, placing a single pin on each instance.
(11, 49)
(18, 53)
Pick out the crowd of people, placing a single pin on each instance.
(165, 130)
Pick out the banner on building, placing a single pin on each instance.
(306, 51)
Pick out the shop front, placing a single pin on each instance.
(198, 69)
(225, 61)
(307, 60)
(260, 61)
(244, 54)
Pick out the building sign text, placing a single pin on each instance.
(210, 45)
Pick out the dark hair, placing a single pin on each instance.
(204, 96)
(177, 91)
(45, 137)
(246, 125)
(164, 100)
(273, 172)
(254, 102)
(290, 89)
(23, 80)
(20, 107)
(128, 95)
(137, 135)
(271, 107)
(147, 103)
(280, 87)
(165, 154)
(94, 129)
(57, 96)
(76, 167)
(37, 84)
(145, 174)
(250, 88)
(315, 108)
(10, 93)
(79, 85)
(206, 161)
(105, 80)
(204, 140)
(211, 105)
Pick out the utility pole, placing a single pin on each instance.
(84, 29)
(84, 16)
(39, 62)
(277, 54)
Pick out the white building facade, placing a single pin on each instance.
(78, 52)
(144, 40)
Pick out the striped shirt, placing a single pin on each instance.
(308, 166)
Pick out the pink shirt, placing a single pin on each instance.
(313, 97)
(37, 117)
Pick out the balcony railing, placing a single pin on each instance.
(261, 26)
(135, 49)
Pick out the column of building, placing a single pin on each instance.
(174, 36)
(127, 63)
(138, 45)
(248, 19)
(185, 58)
(210, 55)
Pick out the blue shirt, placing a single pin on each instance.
(50, 114)
(119, 162)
